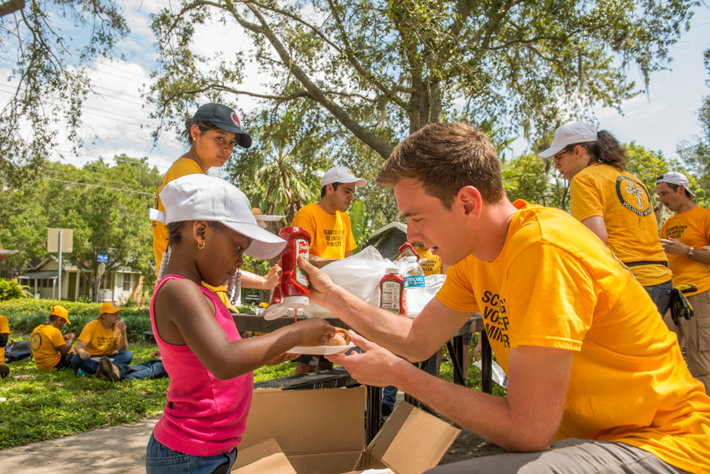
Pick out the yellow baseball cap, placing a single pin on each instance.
(62, 312)
(109, 308)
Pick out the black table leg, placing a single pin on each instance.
(486, 364)
(455, 347)
(374, 412)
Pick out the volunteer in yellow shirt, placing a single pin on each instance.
(4, 336)
(102, 337)
(331, 234)
(613, 203)
(596, 382)
(685, 237)
(50, 349)
(212, 134)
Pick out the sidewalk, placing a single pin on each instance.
(116, 449)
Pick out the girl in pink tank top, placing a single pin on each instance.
(210, 227)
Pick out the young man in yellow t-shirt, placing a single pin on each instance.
(331, 234)
(50, 348)
(685, 237)
(596, 381)
(102, 337)
(612, 203)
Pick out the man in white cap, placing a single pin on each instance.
(612, 203)
(331, 233)
(326, 220)
(684, 237)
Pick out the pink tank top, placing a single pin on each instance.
(204, 416)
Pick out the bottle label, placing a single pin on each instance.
(301, 247)
(391, 296)
(414, 281)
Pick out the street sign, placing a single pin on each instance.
(53, 238)
(102, 258)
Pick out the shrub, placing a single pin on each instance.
(26, 314)
(11, 289)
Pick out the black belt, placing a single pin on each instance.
(646, 262)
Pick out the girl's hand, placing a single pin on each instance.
(283, 358)
(313, 332)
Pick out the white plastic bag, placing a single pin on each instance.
(360, 274)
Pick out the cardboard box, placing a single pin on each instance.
(323, 431)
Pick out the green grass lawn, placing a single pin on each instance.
(53, 404)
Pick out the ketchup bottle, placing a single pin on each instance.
(292, 292)
(406, 249)
(392, 291)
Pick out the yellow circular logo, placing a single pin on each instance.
(633, 195)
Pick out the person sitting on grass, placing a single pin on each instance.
(51, 349)
(113, 372)
(4, 336)
(103, 337)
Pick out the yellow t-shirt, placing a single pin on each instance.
(555, 285)
(331, 235)
(430, 263)
(100, 341)
(691, 227)
(181, 167)
(624, 203)
(4, 329)
(45, 340)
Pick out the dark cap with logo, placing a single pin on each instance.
(224, 118)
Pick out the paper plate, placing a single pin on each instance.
(7, 252)
(320, 350)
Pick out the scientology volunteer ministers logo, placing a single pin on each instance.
(633, 195)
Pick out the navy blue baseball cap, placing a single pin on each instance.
(225, 119)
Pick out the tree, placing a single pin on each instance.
(385, 69)
(105, 205)
(279, 172)
(52, 41)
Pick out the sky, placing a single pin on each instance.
(116, 117)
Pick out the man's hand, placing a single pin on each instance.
(321, 283)
(83, 354)
(375, 366)
(69, 338)
(121, 325)
(674, 247)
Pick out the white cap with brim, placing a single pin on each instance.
(201, 197)
(570, 134)
(673, 177)
(340, 174)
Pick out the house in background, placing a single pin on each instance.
(42, 280)
(388, 238)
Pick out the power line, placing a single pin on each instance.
(97, 186)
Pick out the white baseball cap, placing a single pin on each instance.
(569, 134)
(673, 177)
(201, 197)
(340, 174)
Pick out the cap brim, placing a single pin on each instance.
(243, 138)
(550, 152)
(356, 182)
(265, 245)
